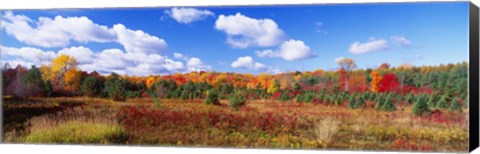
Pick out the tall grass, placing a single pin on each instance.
(78, 125)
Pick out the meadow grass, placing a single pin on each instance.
(258, 124)
(77, 132)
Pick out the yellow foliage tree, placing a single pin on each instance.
(375, 81)
(62, 64)
(149, 82)
(274, 86)
(72, 80)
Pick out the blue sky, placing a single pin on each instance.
(247, 39)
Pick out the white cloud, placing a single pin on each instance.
(61, 31)
(267, 54)
(188, 15)
(195, 64)
(247, 62)
(373, 44)
(56, 32)
(104, 62)
(243, 31)
(401, 40)
(82, 54)
(26, 55)
(138, 41)
(180, 56)
(290, 50)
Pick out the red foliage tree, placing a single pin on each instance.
(388, 83)
(342, 79)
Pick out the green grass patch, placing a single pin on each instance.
(78, 133)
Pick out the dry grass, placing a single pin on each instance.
(79, 125)
(325, 129)
(291, 125)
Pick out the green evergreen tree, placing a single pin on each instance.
(442, 103)
(421, 107)
(379, 101)
(388, 105)
(91, 86)
(456, 106)
(237, 99)
(360, 102)
(212, 97)
(351, 102)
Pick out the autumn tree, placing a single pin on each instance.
(72, 80)
(347, 64)
(384, 66)
(273, 87)
(388, 83)
(375, 81)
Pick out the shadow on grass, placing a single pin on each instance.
(17, 111)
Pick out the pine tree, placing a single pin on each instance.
(409, 98)
(421, 107)
(360, 102)
(379, 101)
(351, 102)
(388, 105)
(442, 103)
(212, 97)
(456, 106)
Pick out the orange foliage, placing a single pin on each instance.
(375, 81)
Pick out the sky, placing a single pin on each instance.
(242, 39)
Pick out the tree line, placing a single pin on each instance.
(427, 87)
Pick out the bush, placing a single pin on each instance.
(116, 88)
(351, 101)
(388, 105)
(442, 103)
(456, 106)
(360, 102)
(285, 96)
(91, 87)
(421, 107)
(212, 97)
(379, 101)
(237, 99)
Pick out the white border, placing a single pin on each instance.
(47, 4)
(84, 149)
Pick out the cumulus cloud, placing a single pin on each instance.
(290, 50)
(247, 62)
(188, 15)
(195, 64)
(56, 32)
(138, 41)
(373, 44)
(61, 31)
(105, 61)
(180, 56)
(401, 40)
(82, 54)
(26, 56)
(243, 31)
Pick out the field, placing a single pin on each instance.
(257, 124)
